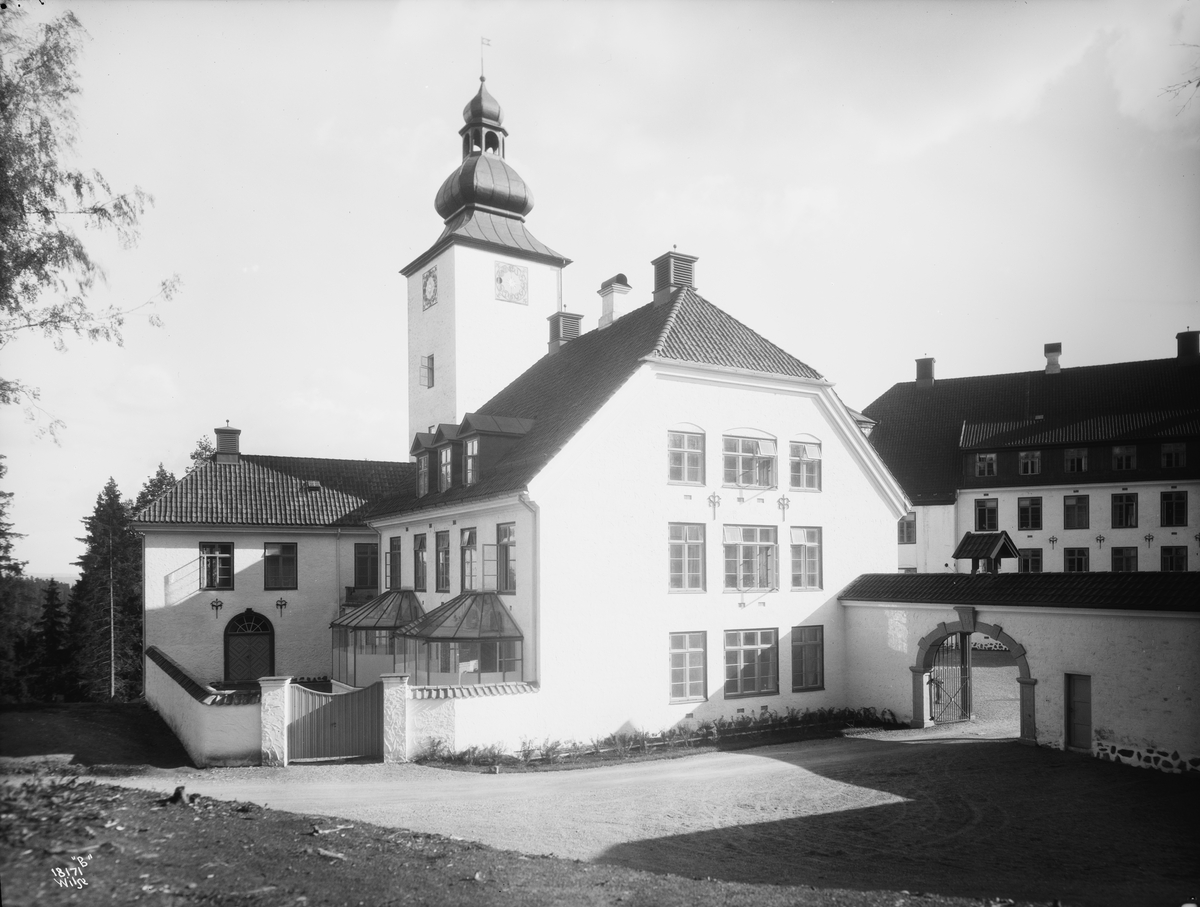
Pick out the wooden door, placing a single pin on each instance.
(1079, 711)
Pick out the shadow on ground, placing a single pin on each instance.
(87, 734)
(981, 819)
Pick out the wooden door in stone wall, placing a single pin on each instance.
(1079, 711)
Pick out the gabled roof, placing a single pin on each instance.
(558, 394)
(389, 610)
(922, 432)
(985, 544)
(496, 425)
(275, 491)
(1111, 591)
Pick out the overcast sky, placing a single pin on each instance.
(864, 184)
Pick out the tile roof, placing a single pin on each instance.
(475, 227)
(922, 431)
(985, 544)
(1112, 591)
(559, 393)
(275, 491)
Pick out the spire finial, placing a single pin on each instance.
(483, 42)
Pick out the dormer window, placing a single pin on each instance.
(422, 475)
(445, 468)
(985, 465)
(471, 461)
(749, 462)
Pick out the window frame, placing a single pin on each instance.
(802, 553)
(906, 529)
(1075, 459)
(1173, 454)
(1124, 513)
(1176, 561)
(468, 560)
(1173, 513)
(686, 551)
(1124, 457)
(1029, 513)
(218, 563)
(1073, 508)
(1124, 558)
(1028, 558)
(506, 558)
(470, 461)
(422, 475)
(760, 462)
(810, 467)
(284, 581)
(741, 546)
(1080, 557)
(816, 649)
(985, 465)
(366, 565)
(740, 649)
(445, 468)
(684, 461)
(441, 568)
(1031, 459)
(393, 569)
(987, 511)
(420, 562)
(425, 373)
(694, 657)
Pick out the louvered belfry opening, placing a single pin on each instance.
(564, 326)
(672, 271)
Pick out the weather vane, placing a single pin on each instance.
(483, 42)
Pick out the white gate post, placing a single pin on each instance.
(395, 717)
(276, 716)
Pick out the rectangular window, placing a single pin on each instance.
(216, 565)
(506, 557)
(1029, 560)
(688, 661)
(685, 457)
(1030, 462)
(906, 529)
(279, 565)
(471, 461)
(1075, 560)
(366, 565)
(1075, 511)
(1174, 455)
(468, 557)
(806, 557)
(391, 567)
(1174, 508)
(445, 468)
(422, 475)
(749, 462)
(751, 662)
(1124, 511)
(750, 553)
(1125, 457)
(426, 376)
(1029, 513)
(808, 658)
(1075, 459)
(685, 557)
(442, 566)
(1124, 560)
(805, 466)
(1174, 559)
(419, 562)
(985, 465)
(986, 515)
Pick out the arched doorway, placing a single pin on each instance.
(931, 647)
(249, 647)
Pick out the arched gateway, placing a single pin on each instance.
(927, 652)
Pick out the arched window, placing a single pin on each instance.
(491, 142)
(249, 647)
(476, 144)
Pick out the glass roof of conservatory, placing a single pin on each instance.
(472, 615)
(387, 611)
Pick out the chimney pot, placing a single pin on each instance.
(611, 304)
(1052, 351)
(925, 372)
(1189, 344)
(228, 444)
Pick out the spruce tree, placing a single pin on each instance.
(53, 652)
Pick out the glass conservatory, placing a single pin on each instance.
(471, 639)
(365, 641)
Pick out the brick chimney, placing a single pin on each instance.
(672, 271)
(925, 372)
(564, 327)
(1052, 351)
(611, 304)
(1189, 345)
(228, 444)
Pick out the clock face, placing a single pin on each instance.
(512, 283)
(429, 287)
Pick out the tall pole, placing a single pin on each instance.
(112, 628)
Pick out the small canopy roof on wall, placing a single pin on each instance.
(387, 611)
(471, 615)
(988, 547)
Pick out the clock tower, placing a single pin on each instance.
(479, 297)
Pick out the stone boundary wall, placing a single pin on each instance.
(1147, 757)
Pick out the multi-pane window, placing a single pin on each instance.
(279, 565)
(366, 565)
(1075, 459)
(445, 468)
(1029, 560)
(805, 466)
(422, 475)
(750, 553)
(1075, 511)
(985, 465)
(1124, 511)
(906, 529)
(419, 562)
(688, 667)
(685, 457)
(1124, 456)
(425, 378)
(1174, 508)
(806, 557)
(470, 461)
(442, 562)
(1029, 513)
(1174, 454)
(506, 557)
(1174, 559)
(749, 462)
(685, 557)
(1029, 462)
(987, 515)
(1075, 560)
(808, 658)
(751, 662)
(391, 566)
(1124, 560)
(216, 565)
(469, 560)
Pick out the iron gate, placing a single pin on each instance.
(950, 680)
(336, 725)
